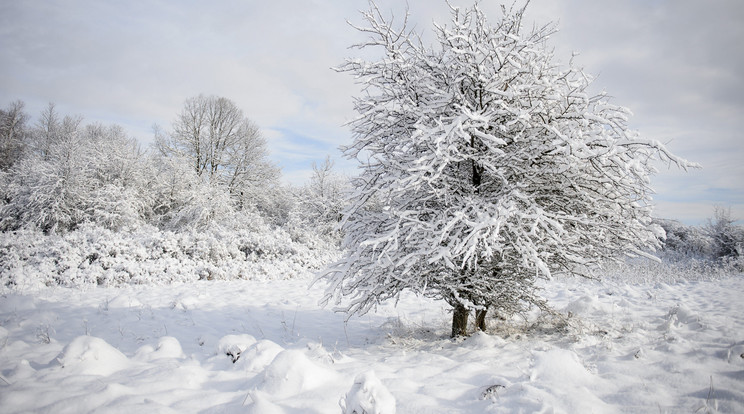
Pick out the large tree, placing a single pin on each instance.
(485, 166)
(221, 143)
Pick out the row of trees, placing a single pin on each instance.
(59, 173)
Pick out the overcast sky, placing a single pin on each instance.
(677, 64)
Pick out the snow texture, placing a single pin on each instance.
(657, 345)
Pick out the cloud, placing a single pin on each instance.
(677, 65)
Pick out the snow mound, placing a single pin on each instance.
(560, 366)
(234, 345)
(186, 302)
(88, 355)
(292, 372)
(588, 305)
(565, 385)
(735, 354)
(259, 355)
(262, 405)
(317, 352)
(680, 316)
(168, 347)
(124, 301)
(482, 340)
(368, 396)
(689, 318)
(22, 370)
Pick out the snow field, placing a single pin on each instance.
(266, 347)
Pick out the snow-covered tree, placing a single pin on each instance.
(120, 177)
(184, 200)
(322, 198)
(13, 134)
(727, 239)
(48, 191)
(222, 145)
(46, 132)
(73, 174)
(485, 167)
(683, 242)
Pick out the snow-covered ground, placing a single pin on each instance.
(266, 347)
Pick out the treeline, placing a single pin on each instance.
(719, 242)
(84, 203)
(710, 251)
(59, 173)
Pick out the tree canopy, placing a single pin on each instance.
(221, 144)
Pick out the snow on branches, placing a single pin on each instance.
(485, 166)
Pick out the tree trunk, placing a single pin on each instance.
(480, 319)
(460, 321)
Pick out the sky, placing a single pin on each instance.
(677, 64)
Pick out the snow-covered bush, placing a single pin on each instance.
(727, 239)
(184, 200)
(85, 174)
(719, 243)
(242, 247)
(320, 202)
(274, 203)
(642, 270)
(684, 242)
